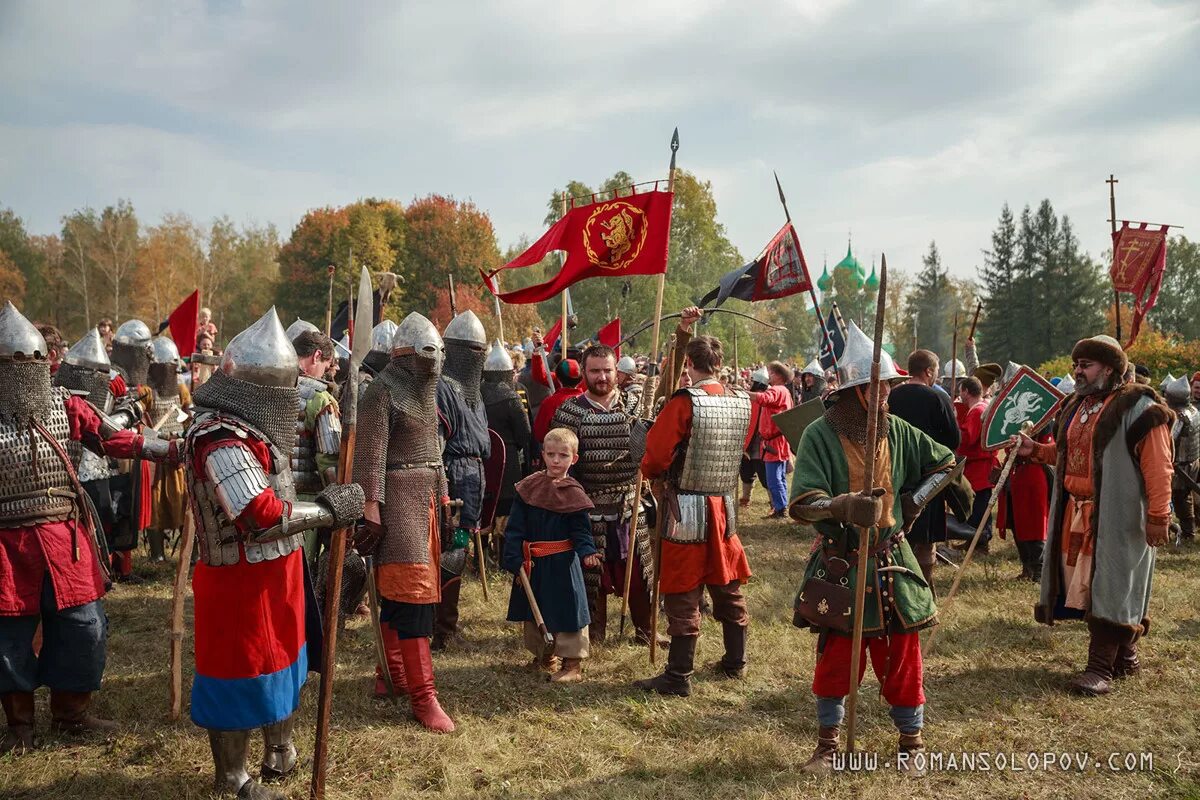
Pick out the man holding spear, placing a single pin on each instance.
(860, 476)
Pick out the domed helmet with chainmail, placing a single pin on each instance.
(131, 351)
(85, 368)
(466, 350)
(381, 346)
(298, 327)
(24, 369)
(256, 381)
(498, 367)
(1178, 392)
(163, 374)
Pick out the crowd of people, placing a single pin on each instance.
(588, 475)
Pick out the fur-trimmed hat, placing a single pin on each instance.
(1103, 349)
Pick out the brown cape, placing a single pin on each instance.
(561, 497)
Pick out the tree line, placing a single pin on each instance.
(1039, 291)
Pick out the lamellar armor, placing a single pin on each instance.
(400, 466)
(707, 465)
(324, 438)
(1186, 429)
(605, 467)
(254, 395)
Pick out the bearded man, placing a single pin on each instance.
(1110, 509)
(608, 474)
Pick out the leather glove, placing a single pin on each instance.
(1157, 533)
(909, 508)
(367, 536)
(858, 509)
(345, 500)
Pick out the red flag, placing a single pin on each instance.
(184, 321)
(614, 238)
(1139, 260)
(610, 334)
(552, 335)
(782, 269)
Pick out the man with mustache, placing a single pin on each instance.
(1110, 508)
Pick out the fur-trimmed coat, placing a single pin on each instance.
(1123, 564)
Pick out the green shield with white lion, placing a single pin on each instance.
(1027, 398)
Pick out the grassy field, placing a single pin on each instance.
(994, 686)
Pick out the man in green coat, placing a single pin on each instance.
(827, 493)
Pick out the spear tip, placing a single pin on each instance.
(675, 139)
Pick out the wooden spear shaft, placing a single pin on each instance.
(975, 319)
(812, 293)
(864, 534)
(177, 605)
(954, 361)
(660, 523)
(562, 334)
(1112, 218)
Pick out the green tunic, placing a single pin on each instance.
(822, 470)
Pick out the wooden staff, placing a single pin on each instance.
(975, 319)
(812, 293)
(648, 389)
(660, 525)
(1112, 212)
(864, 534)
(360, 344)
(330, 270)
(478, 535)
(997, 492)
(547, 636)
(562, 334)
(954, 360)
(187, 538)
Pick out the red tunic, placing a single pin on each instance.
(545, 415)
(772, 400)
(979, 461)
(721, 559)
(27, 554)
(1030, 493)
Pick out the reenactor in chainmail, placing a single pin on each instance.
(608, 473)
(400, 469)
(506, 415)
(1186, 433)
(251, 644)
(132, 479)
(54, 574)
(464, 428)
(166, 402)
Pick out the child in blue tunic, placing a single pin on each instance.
(549, 535)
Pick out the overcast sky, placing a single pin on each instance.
(899, 120)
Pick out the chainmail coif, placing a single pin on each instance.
(270, 409)
(464, 367)
(25, 390)
(848, 418)
(133, 360)
(163, 379)
(84, 379)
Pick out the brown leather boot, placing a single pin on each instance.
(18, 709)
(1127, 664)
(733, 665)
(910, 745)
(821, 761)
(676, 678)
(1096, 679)
(571, 671)
(69, 714)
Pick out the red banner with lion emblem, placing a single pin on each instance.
(1139, 260)
(610, 239)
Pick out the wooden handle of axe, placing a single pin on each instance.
(533, 606)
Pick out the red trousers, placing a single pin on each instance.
(896, 660)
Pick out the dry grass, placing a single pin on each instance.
(994, 685)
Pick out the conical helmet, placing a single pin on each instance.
(132, 331)
(1178, 391)
(854, 365)
(298, 327)
(343, 346)
(382, 336)
(498, 359)
(416, 335)
(466, 328)
(1066, 385)
(19, 339)
(89, 352)
(163, 351)
(262, 354)
(954, 369)
(1167, 381)
(815, 369)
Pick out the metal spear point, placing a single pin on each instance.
(864, 534)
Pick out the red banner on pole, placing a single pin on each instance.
(610, 334)
(184, 321)
(611, 239)
(781, 269)
(1139, 260)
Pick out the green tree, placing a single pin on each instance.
(928, 307)
(1179, 296)
(1000, 326)
(29, 289)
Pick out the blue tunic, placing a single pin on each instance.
(557, 580)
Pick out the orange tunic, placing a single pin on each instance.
(721, 559)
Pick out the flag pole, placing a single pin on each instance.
(954, 360)
(562, 334)
(1112, 213)
(812, 294)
